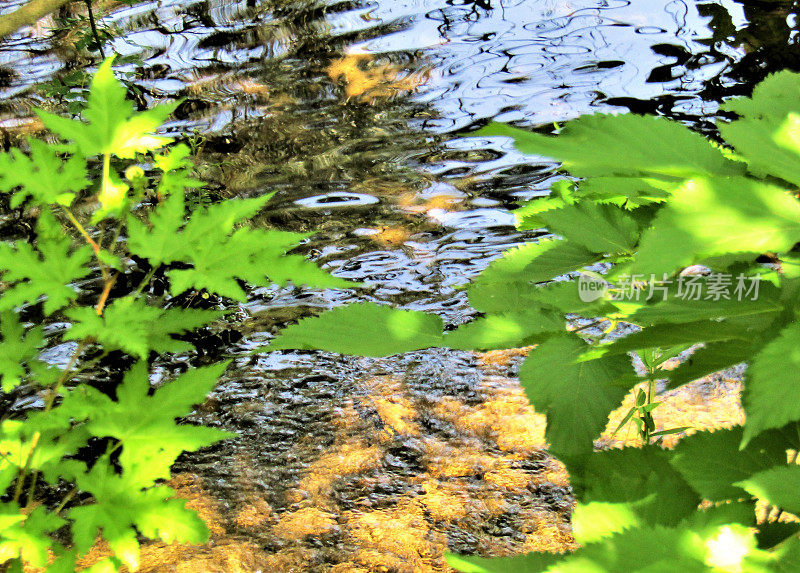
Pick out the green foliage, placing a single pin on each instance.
(368, 329)
(555, 381)
(43, 176)
(48, 270)
(624, 145)
(16, 349)
(119, 495)
(130, 325)
(657, 199)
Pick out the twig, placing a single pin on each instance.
(28, 14)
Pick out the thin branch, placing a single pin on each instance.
(28, 14)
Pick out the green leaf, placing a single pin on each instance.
(711, 358)
(555, 382)
(641, 480)
(530, 563)
(772, 383)
(219, 254)
(708, 217)
(121, 505)
(16, 349)
(113, 128)
(506, 283)
(676, 309)
(596, 520)
(129, 324)
(712, 461)
(597, 228)
(565, 296)
(777, 486)
(28, 537)
(145, 425)
(54, 439)
(44, 176)
(667, 335)
(177, 170)
(623, 145)
(157, 242)
(47, 272)
(767, 133)
(365, 329)
(627, 192)
(507, 330)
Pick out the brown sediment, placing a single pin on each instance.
(392, 494)
(705, 404)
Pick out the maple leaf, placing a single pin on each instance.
(121, 505)
(16, 349)
(145, 425)
(47, 272)
(26, 535)
(43, 176)
(177, 170)
(129, 324)
(218, 254)
(113, 128)
(51, 438)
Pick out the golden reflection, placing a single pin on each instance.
(367, 80)
(477, 474)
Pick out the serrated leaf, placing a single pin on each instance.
(596, 520)
(530, 563)
(508, 279)
(46, 272)
(120, 505)
(129, 324)
(642, 480)
(777, 486)
(668, 335)
(712, 461)
(555, 382)
(43, 176)
(177, 170)
(16, 348)
(607, 145)
(365, 329)
(713, 357)
(708, 217)
(145, 425)
(219, 254)
(506, 330)
(676, 309)
(565, 296)
(730, 547)
(596, 228)
(29, 537)
(54, 439)
(112, 126)
(627, 192)
(772, 383)
(767, 133)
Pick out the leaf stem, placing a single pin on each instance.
(92, 243)
(147, 278)
(101, 303)
(51, 397)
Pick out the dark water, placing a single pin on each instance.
(358, 115)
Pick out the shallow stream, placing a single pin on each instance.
(358, 113)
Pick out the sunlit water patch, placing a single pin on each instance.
(357, 115)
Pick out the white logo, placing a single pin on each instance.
(591, 288)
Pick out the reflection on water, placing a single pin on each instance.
(357, 114)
